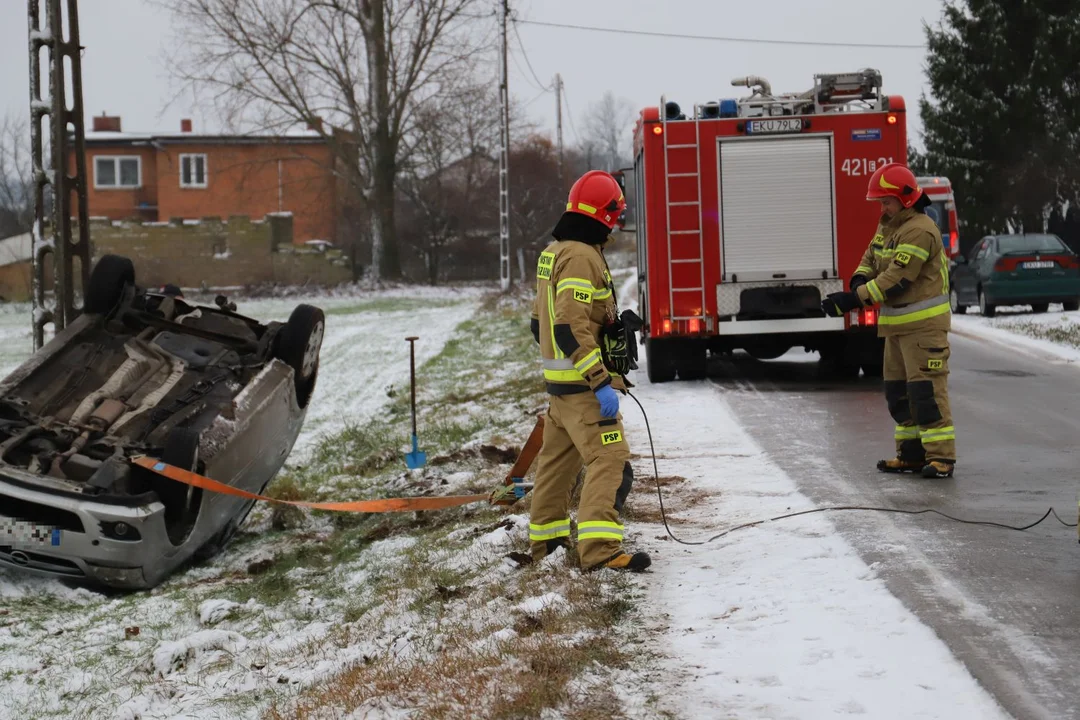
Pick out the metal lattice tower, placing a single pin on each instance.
(504, 156)
(66, 134)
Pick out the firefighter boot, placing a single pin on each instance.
(899, 465)
(937, 469)
(635, 562)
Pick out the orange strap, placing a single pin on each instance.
(362, 506)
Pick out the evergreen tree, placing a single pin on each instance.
(1004, 119)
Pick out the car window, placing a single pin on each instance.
(1030, 243)
(980, 250)
(936, 211)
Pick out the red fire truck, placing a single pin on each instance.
(749, 211)
(943, 210)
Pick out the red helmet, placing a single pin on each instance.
(598, 195)
(894, 180)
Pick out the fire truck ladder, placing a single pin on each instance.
(699, 261)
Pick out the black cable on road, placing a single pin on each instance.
(832, 508)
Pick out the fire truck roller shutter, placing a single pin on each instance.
(776, 208)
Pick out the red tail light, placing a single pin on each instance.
(665, 327)
(869, 316)
(695, 325)
(954, 238)
(1003, 266)
(1069, 262)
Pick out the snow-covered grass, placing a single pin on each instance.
(319, 615)
(1055, 333)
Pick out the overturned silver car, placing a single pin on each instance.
(142, 372)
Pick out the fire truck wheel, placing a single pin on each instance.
(873, 370)
(661, 366)
(692, 361)
(836, 365)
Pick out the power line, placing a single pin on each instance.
(525, 55)
(570, 114)
(716, 38)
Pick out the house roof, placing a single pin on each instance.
(299, 136)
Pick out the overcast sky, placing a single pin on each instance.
(124, 74)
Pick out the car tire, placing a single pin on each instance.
(661, 367)
(297, 345)
(1071, 305)
(1040, 307)
(986, 308)
(954, 303)
(107, 281)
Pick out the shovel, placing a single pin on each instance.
(416, 458)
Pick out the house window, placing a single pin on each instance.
(193, 171)
(118, 172)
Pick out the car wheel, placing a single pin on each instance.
(107, 281)
(954, 303)
(1040, 307)
(298, 344)
(1071, 305)
(986, 308)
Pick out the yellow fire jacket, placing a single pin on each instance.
(907, 273)
(574, 299)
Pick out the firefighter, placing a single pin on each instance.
(572, 317)
(905, 271)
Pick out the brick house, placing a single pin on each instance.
(158, 177)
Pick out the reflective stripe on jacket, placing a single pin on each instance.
(907, 273)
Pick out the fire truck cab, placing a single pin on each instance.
(943, 210)
(749, 211)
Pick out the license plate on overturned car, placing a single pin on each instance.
(23, 532)
(1039, 264)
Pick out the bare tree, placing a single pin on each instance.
(536, 199)
(362, 66)
(448, 185)
(16, 177)
(606, 140)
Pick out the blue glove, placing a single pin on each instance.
(609, 401)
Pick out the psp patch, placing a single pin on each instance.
(583, 296)
(935, 364)
(610, 438)
(902, 259)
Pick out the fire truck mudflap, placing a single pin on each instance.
(750, 212)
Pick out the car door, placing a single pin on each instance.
(963, 276)
(984, 266)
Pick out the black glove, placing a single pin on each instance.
(856, 282)
(838, 303)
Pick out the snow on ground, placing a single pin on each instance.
(776, 621)
(175, 652)
(782, 620)
(1054, 334)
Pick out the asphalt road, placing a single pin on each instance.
(1007, 603)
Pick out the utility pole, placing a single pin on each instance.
(55, 241)
(558, 126)
(504, 152)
